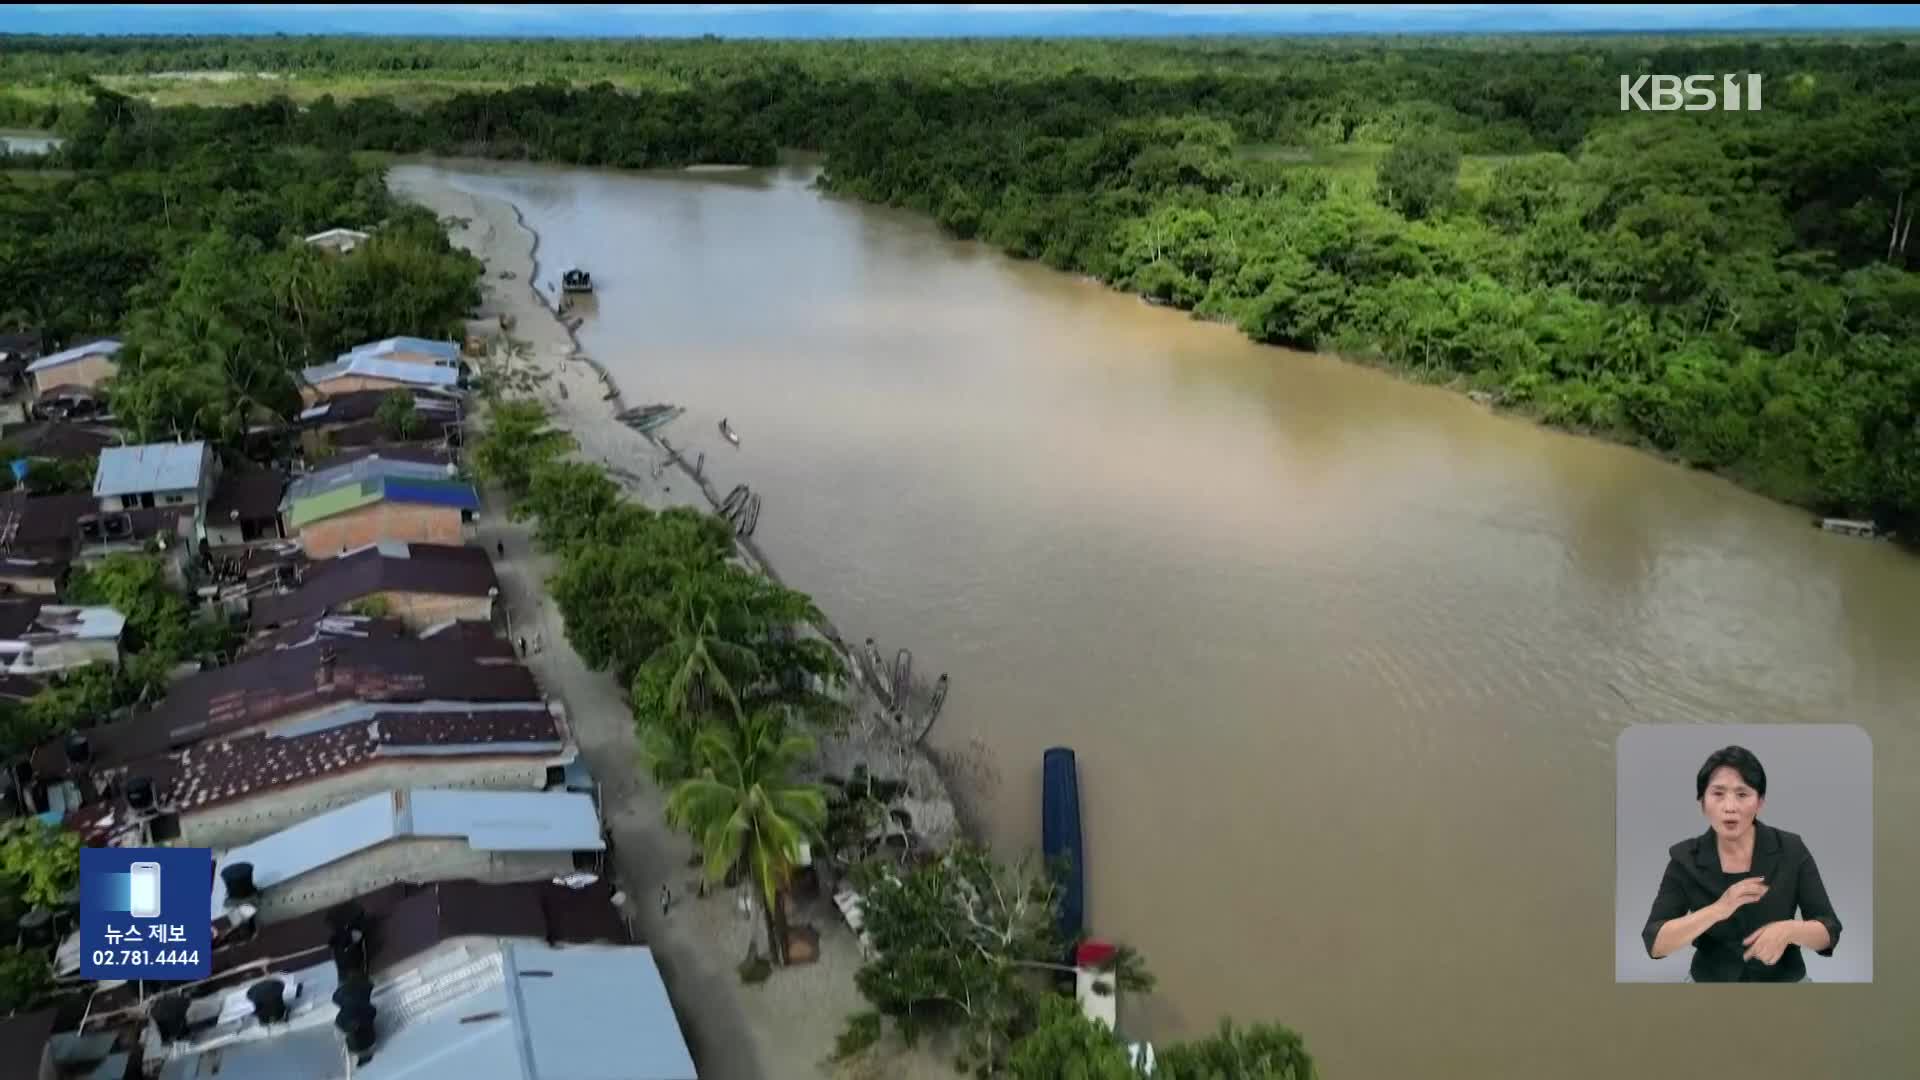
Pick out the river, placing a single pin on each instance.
(1343, 658)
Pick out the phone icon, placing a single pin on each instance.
(144, 895)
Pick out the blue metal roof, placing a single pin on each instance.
(431, 493)
(487, 820)
(134, 470)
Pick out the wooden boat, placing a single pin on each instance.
(646, 418)
(1848, 526)
(576, 280)
(727, 432)
(1060, 834)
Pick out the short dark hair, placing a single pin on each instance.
(1740, 760)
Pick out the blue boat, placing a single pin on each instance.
(1060, 834)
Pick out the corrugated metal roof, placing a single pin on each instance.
(487, 1009)
(103, 347)
(442, 569)
(131, 470)
(449, 493)
(445, 350)
(359, 470)
(373, 367)
(487, 820)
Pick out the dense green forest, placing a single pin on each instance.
(1733, 289)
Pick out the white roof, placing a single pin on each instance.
(103, 347)
(487, 820)
(337, 234)
(131, 470)
(482, 1009)
(374, 367)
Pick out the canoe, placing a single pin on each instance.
(1060, 834)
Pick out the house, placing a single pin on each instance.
(274, 691)
(154, 475)
(374, 498)
(485, 1008)
(411, 350)
(37, 638)
(421, 584)
(412, 834)
(83, 366)
(338, 241)
(364, 371)
(400, 925)
(226, 792)
(245, 508)
(353, 418)
(328, 627)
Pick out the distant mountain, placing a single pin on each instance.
(938, 20)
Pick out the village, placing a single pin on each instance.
(393, 798)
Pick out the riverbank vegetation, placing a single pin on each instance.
(1735, 290)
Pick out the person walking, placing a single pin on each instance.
(666, 899)
(501, 547)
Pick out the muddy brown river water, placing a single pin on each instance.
(1343, 658)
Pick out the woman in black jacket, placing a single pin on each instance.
(1733, 891)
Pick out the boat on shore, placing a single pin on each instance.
(1060, 835)
(727, 432)
(645, 418)
(576, 280)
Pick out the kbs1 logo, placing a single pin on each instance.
(1695, 93)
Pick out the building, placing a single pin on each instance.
(398, 922)
(155, 475)
(372, 499)
(334, 628)
(364, 371)
(338, 241)
(227, 792)
(245, 508)
(84, 366)
(353, 418)
(413, 834)
(423, 585)
(411, 350)
(275, 691)
(471, 1006)
(37, 638)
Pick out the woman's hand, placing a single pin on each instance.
(1768, 943)
(1739, 895)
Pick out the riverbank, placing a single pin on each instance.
(786, 1026)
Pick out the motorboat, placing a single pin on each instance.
(576, 280)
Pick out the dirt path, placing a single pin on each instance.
(785, 1027)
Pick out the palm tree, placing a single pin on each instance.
(746, 813)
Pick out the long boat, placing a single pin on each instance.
(1060, 834)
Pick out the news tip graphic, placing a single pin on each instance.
(145, 914)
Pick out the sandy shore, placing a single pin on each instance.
(786, 1026)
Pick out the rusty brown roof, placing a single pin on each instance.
(270, 686)
(439, 569)
(216, 772)
(336, 627)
